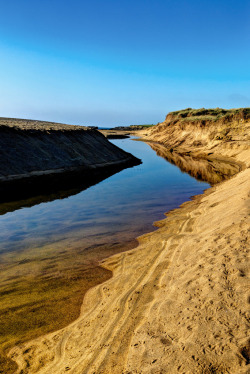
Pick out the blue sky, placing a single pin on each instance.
(108, 63)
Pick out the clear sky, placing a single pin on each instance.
(122, 62)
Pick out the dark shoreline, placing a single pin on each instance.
(63, 183)
(42, 158)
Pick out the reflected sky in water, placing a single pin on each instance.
(117, 209)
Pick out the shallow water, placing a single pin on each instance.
(116, 210)
(50, 252)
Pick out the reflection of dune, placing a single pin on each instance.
(202, 168)
(63, 186)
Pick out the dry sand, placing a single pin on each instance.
(178, 303)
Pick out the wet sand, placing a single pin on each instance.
(41, 293)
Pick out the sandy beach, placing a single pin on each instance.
(178, 303)
(125, 187)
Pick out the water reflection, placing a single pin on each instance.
(206, 169)
(46, 188)
(117, 209)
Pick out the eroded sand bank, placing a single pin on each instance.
(39, 158)
(178, 303)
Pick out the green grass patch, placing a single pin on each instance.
(193, 115)
(140, 126)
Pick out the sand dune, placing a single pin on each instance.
(178, 303)
(40, 158)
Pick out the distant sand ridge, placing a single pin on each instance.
(179, 302)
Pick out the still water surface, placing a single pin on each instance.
(116, 210)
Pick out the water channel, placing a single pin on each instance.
(49, 252)
(118, 209)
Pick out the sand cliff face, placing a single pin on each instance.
(204, 130)
(179, 302)
(32, 150)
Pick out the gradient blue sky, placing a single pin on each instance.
(110, 62)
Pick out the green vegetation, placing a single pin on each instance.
(147, 125)
(198, 118)
(140, 126)
(212, 115)
(132, 127)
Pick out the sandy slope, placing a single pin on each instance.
(42, 157)
(178, 303)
